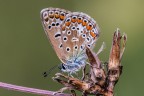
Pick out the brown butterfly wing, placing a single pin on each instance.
(52, 18)
(78, 31)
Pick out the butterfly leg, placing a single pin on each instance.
(70, 74)
(83, 72)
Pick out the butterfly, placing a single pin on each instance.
(70, 33)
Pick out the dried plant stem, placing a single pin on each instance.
(30, 90)
(99, 82)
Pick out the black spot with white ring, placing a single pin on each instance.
(62, 13)
(51, 12)
(88, 39)
(68, 49)
(65, 38)
(81, 47)
(49, 27)
(85, 20)
(57, 24)
(69, 32)
(74, 17)
(74, 39)
(53, 24)
(89, 46)
(73, 28)
(83, 35)
(80, 18)
(56, 12)
(90, 25)
(57, 35)
(68, 19)
(60, 46)
(75, 47)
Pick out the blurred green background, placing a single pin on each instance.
(25, 51)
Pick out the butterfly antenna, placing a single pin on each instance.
(46, 73)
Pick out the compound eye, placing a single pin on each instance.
(63, 67)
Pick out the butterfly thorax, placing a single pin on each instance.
(74, 64)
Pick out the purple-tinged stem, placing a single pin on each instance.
(30, 90)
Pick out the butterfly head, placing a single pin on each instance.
(62, 67)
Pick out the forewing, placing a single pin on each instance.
(52, 18)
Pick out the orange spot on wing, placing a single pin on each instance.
(84, 23)
(51, 16)
(73, 20)
(67, 23)
(79, 21)
(62, 17)
(93, 34)
(57, 16)
(89, 27)
(63, 28)
(46, 19)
